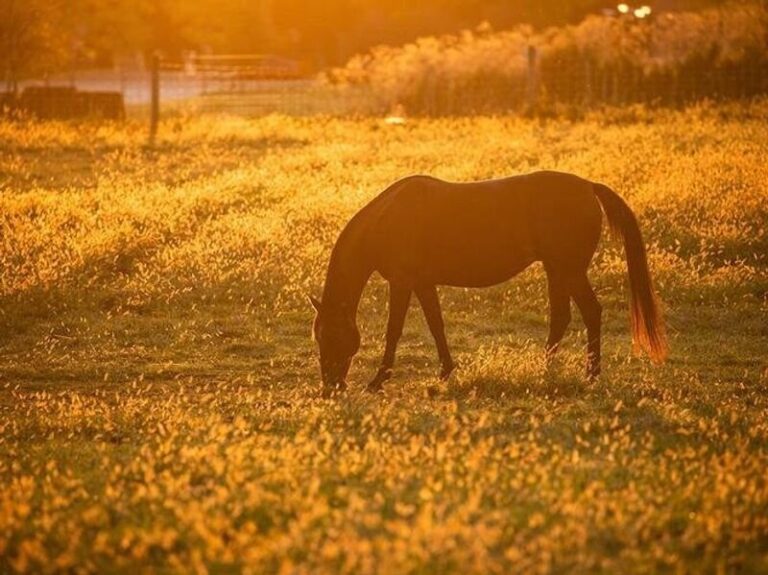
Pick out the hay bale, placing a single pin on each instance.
(51, 102)
(106, 105)
(9, 102)
(65, 102)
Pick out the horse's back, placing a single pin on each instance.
(481, 233)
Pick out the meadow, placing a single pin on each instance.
(159, 389)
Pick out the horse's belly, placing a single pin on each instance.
(467, 264)
(469, 239)
(476, 272)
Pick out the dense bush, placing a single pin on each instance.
(669, 58)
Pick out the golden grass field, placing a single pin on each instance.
(159, 390)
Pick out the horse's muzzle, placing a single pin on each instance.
(334, 376)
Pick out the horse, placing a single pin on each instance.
(422, 232)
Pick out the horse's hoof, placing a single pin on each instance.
(377, 384)
(374, 387)
(447, 370)
(331, 392)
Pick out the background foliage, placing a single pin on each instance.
(51, 35)
(672, 58)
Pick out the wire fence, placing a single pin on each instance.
(249, 85)
(253, 85)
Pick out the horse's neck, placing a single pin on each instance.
(347, 275)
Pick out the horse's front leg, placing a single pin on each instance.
(431, 305)
(399, 298)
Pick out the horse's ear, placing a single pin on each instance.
(315, 303)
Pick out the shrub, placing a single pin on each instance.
(671, 58)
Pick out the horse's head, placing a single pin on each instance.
(338, 339)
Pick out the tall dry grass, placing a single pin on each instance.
(159, 406)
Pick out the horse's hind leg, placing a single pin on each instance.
(431, 305)
(591, 311)
(399, 298)
(559, 310)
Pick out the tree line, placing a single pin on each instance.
(38, 37)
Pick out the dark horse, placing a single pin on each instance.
(422, 232)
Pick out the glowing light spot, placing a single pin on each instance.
(642, 12)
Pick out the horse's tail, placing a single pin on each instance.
(647, 323)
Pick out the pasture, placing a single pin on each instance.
(159, 389)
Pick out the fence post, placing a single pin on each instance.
(533, 80)
(154, 89)
(588, 81)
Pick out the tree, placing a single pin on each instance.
(31, 43)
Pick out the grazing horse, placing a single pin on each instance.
(422, 232)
